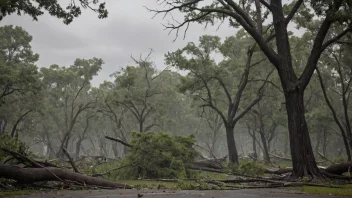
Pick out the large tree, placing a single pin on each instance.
(19, 79)
(212, 84)
(68, 93)
(323, 16)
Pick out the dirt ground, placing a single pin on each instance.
(279, 193)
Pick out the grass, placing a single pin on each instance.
(345, 190)
(17, 192)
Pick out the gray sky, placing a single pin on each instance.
(129, 30)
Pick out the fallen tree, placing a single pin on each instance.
(32, 175)
(208, 164)
(37, 172)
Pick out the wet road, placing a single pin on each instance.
(249, 193)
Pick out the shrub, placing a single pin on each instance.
(158, 155)
(248, 168)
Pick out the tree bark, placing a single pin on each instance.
(303, 159)
(231, 144)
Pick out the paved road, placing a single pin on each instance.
(250, 193)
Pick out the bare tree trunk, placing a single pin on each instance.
(303, 159)
(265, 147)
(231, 144)
(78, 148)
(286, 144)
(325, 140)
(318, 140)
(114, 149)
(141, 126)
(336, 119)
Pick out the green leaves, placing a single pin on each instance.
(36, 8)
(15, 46)
(159, 155)
(18, 74)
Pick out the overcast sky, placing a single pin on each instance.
(129, 30)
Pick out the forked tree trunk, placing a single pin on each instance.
(303, 159)
(231, 144)
(265, 148)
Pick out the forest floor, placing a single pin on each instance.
(246, 193)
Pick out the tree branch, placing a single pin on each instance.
(293, 11)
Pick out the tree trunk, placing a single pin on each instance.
(114, 149)
(254, 144)
(31, 175)
(265, 147)
(141, 126)
(78, 148)
(231, 144)
(303, 159)
(318, 139)
(325, 141)
(286, 144)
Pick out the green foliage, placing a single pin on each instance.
(158, 155)
(18, 74)
(12, 144)
(36, 8)
(247, 168)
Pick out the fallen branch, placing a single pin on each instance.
(279, 171)
(71, 161)
(195, 167)
(109, 171)
(21, 158)
(339, 169)
(32, 175)
(118, 140)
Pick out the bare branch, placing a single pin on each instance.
(255, 101)
(293, 11)
(335, 39)
(266, 4)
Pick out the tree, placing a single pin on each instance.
(137, 89)
(18, 74)
(20, 84)
(330, 14)
(209, 82)
(36, 8)
(340, 75)
(68, 92)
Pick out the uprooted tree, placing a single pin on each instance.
(16, 164)
(267, 21)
